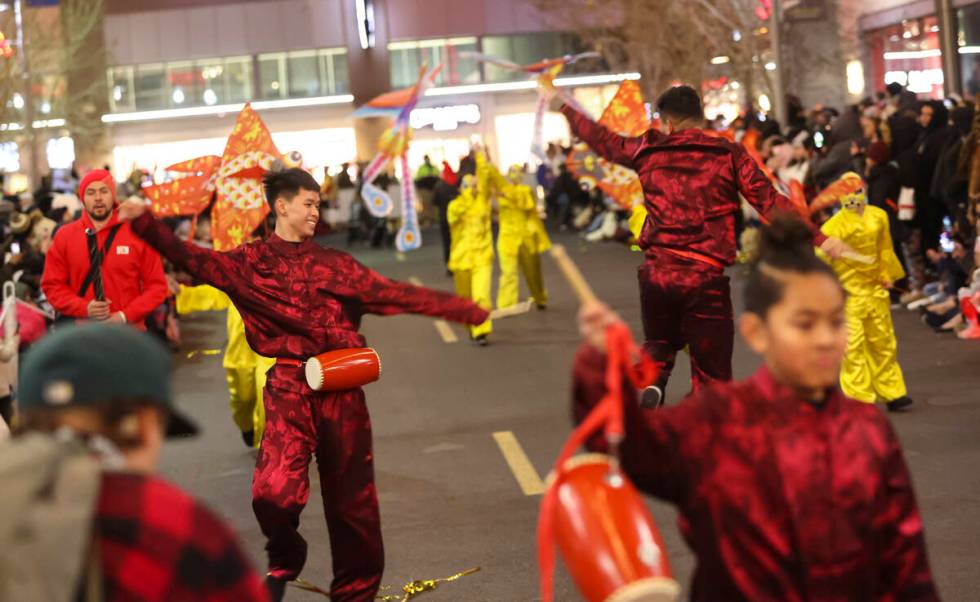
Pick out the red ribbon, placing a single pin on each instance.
(624, 359)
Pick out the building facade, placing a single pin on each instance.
(181, 69)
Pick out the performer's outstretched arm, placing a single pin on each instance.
(220, 270)
(380, 295)
(607, 144)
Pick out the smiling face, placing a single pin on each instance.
(298, 217)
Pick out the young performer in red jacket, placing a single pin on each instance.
(787, 490)
(297, 300)
(691, 186)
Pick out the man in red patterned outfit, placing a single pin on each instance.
(691, 186)
(297, 300)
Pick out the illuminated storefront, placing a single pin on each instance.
(910, 54)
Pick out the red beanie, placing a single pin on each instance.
(879, 153)
(97, 175)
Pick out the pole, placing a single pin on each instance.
(27, 93)
(950, 50)
(779, 93)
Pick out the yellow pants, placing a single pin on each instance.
(475, 284)
(870, 371)
(523, 260)
(245, 386)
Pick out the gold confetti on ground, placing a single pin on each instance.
(191, 354)
(409, 590)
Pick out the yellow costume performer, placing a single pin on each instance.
(521, 240)
(870, 371)
(471, 247)
(244, 369)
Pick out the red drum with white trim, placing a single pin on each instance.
(343, 369)
(607, 538)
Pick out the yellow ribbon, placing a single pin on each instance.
(203, 352)
(410, 590)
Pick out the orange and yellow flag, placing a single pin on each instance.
(626, 115)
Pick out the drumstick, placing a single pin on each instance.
(514, 310)
(574, 277)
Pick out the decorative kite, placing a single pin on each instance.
(626, 115)
(186, 195)
(394, 146)
(544, 72)
(236, 176)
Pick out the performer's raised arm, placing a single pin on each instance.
(606, 143)
(652, 452)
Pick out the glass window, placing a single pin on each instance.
(968, 42)
(212, 88)
(272, 75)
(121, 89)
(333, 71)
(303, 74)
(150, 86)
(406, 58)
(184, 83)
(238, 78)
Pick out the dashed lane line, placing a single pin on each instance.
(525, 473)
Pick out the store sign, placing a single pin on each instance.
(918, 81)
(445, 118)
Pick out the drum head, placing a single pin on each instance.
(314, 374)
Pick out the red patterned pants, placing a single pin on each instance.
(687, 303)
(334, 428)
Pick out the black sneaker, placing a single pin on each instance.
(482, 340)
(276, 587)
(652, 397)
(896, 405)
(541, 306)
(249, 438)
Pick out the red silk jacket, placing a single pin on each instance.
(691, 182)
(299, 299)
(779, 498)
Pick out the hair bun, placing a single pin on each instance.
(785, 234)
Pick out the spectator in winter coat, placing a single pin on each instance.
(936, 134)
(131, 272)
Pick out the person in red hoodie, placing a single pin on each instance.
(691, 186)
(131, 271)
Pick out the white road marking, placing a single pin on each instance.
(442, 327)
(525, 473)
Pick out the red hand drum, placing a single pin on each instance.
(343, 369)
(607, 538)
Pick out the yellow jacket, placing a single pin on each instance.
(469, 225)
(519, 219)
(868, 235)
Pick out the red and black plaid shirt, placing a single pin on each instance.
(158, 543)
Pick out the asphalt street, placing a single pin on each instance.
(449, 499)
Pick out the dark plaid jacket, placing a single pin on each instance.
(158, 543)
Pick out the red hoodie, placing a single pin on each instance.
(132, 273)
